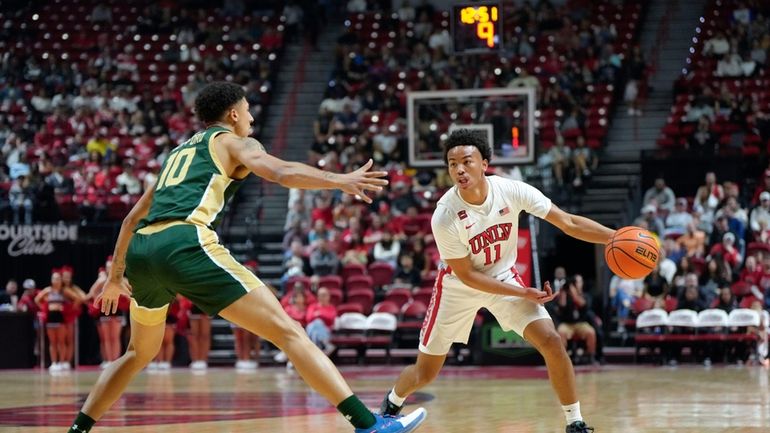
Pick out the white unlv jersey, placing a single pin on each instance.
(488, 232)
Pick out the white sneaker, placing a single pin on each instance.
(240, 365)
(153, 366)
(54, 367)
(104, 365)
(252, 365)
(289, 366)
(280, 357)
(66, 366)
(164, 365)
(199, 365)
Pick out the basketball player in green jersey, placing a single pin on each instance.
(167, 245)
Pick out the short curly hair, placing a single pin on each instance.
(215, 99)
(467, 137)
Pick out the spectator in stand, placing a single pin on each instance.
(559, 278)
(572, 309)
(585, 161)
(387, 249)
(693, 241)
(310, 298)
(525, 80)
(717, 46)
(717, 274)
(296, 261)
(661, 196)
(726, 301)
(679, 219)
(60, 183)
(721, 227)
(127, 182)
(673, 250)
(728, 251)
(297, 308)
(635, 68)
(406, 272)
(760, 218)
(101, 13)
(561, 157)
(101, 144)
(623, 294)
(319, 231)
(738, 218)
(703, 141)
(355, 251)
(27, 300)
(323, 261)
(295, 233)
(708, 197)
(11, 295)
(374, 232)
(320, 319)
(691, 299)
(21, 196)
(651, 220)
(656, 285)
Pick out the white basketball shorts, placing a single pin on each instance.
(454, 305)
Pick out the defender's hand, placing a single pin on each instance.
(362, 180)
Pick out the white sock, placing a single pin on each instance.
(572, 412)
(399, 401)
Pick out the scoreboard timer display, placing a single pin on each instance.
(477, 28)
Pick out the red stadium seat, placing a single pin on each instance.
(381, 273)
(398, 296)
(363, 297)
(330, 282)
(352, 269)
(350, 307)
(358, 282)
(423, 295)
(387, 307)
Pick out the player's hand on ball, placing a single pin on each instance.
(362, 180)
(108, 298)
(540, 296)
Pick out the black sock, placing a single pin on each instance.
(356, 413)
(83, 424)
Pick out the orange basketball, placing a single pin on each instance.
(632, 253)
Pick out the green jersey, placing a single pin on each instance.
(192, 186)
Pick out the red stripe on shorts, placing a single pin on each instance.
(434, 303)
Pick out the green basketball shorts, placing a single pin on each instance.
(170, 258)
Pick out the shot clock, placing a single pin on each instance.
(477, 28)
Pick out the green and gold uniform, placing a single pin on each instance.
(175, 248)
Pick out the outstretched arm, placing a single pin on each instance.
(472, 277)
(579, 227)
(252, 155)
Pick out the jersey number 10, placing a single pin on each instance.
(176, 168)
(488, 254)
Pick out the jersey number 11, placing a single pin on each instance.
(488, 254)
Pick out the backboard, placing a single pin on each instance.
(505, 117)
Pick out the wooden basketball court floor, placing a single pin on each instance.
(614, 399)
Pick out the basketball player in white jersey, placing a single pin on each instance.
(475, 225)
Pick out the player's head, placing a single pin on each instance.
(467, 156)
(224, 102)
